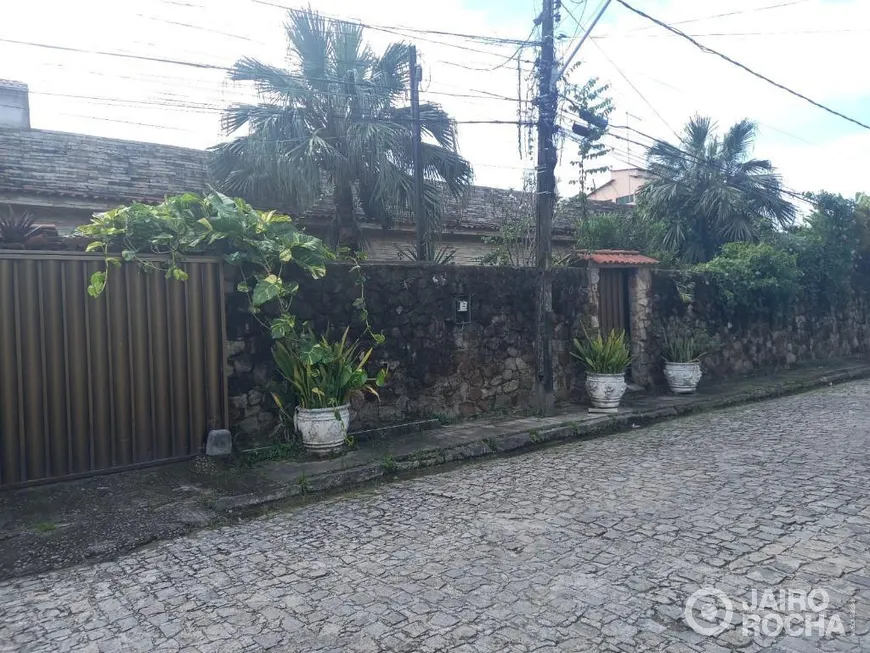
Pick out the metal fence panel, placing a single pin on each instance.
(86, 385)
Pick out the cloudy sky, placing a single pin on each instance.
(818, 47)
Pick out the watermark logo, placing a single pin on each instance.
(770, 613)
(708, 611)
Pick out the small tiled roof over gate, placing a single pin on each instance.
(617, 257)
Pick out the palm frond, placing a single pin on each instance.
(310, 45)
(390, 72)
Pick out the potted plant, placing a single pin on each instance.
(323, 375)
(605, 360)
(683, 346)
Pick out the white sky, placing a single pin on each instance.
(818, 47)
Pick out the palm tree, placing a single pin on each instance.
(333, 122)
(707, 191)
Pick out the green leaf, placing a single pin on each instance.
(381, 378)
(97, 284)
(128, 255)
(265, 291)
(282, 326)
(379, 338)
(111, 260)
(179, 275)
(205, 223)
(93, 246)
(243, 287)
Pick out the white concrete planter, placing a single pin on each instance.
(323, 430)
(605, 390)
(683, 378)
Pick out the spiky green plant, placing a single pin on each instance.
(610, 355)
(682, 343)
(323, 374)
(17, 227)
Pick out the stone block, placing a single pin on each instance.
(235, 347)
(219, 443)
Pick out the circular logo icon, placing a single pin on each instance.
(708, 611)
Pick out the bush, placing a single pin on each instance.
(630, 230)
(753, 279)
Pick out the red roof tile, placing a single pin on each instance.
(616, 257)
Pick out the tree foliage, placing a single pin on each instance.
(830, 246)
(263, 245)
(754, 279)
(591, 97)
(334, 121)
(514, 243)
(707, 191)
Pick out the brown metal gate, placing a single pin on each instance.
(613, 308)
(86, 385)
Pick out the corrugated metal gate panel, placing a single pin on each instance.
(87, 385)
(613, 300)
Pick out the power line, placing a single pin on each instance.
(636, 90)
(479, 37)
(763, 124)
(731, 13)
(122, 55)
(210, 108)
(403, 31)
(780, 33)
(708, 50)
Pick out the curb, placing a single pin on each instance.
(526, 440)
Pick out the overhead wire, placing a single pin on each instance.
(727, 14)
(636, 90)
(744, 67)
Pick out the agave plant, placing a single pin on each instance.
(682, 343)
(610, 355)
(323, 374)
(444, 255)
(17, 227)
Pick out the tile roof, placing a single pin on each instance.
(110, 170)
(50, 163)
(622, 257)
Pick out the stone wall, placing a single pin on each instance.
(438, 364)
(750, 343)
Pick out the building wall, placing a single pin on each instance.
(623, 183)
(439, 364)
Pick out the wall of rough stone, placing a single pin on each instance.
(438, 365)
(750, 343)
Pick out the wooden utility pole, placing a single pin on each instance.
(545, 201)
(417, 154)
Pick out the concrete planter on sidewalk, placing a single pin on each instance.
(605, 390)
(683, 378)
(323, 430)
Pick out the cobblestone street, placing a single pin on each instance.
(590, 546)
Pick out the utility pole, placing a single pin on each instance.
(423, 245)
(545, 204)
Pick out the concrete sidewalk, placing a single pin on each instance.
(98, 518)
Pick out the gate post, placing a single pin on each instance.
(640, 310)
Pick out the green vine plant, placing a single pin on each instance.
(262, 245)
